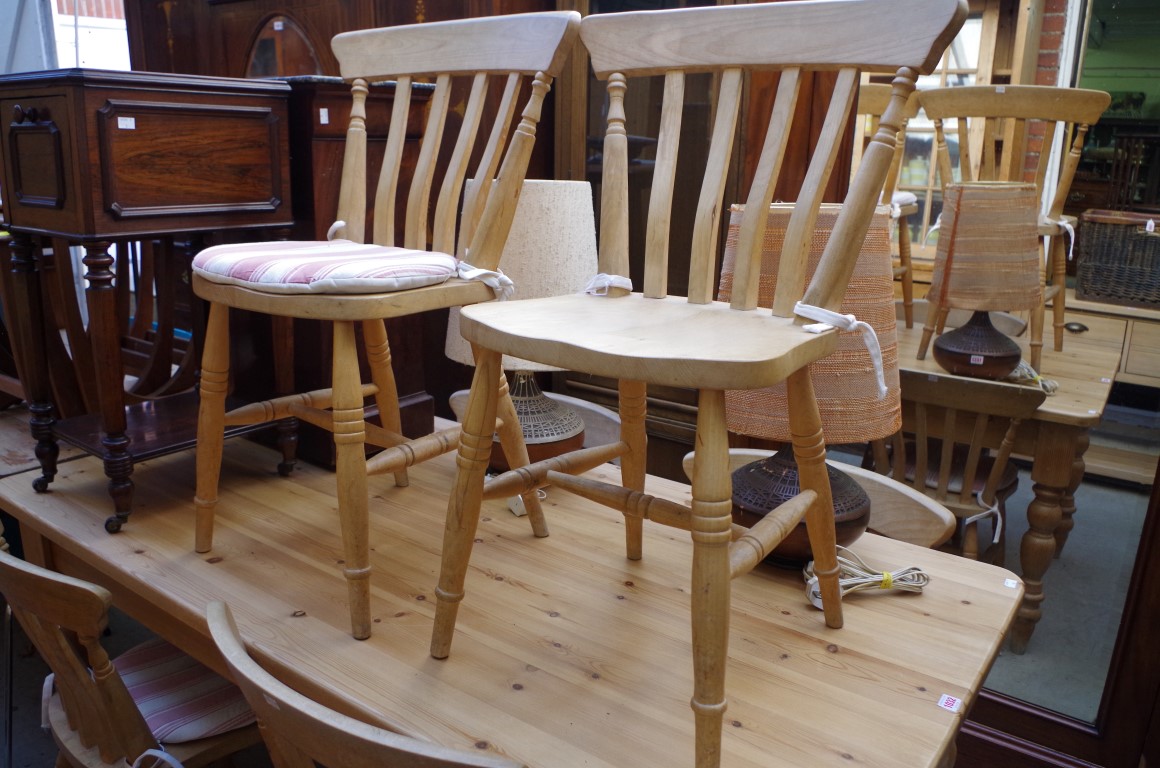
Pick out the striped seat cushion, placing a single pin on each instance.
(331, 266)
(181, 699)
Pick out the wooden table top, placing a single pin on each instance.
(566, 654)
(1084, 370)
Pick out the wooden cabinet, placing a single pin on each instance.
(95, 157)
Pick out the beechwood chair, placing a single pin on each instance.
(109, 712)
(993, 126)
(362, 279)
(651, 338)
(299, 731)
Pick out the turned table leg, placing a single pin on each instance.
(1051, 473)
(104, 333)
(27, 323)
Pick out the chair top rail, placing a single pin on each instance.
(525, 43)
(827, 35)
(1026, 102)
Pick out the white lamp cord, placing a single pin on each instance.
(854, 575)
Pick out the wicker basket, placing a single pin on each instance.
(1118, 260)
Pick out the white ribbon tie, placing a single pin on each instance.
(826, 319)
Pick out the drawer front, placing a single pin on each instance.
(1142, 357)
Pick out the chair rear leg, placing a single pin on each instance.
(511, 439)
(712, 578)
(215, 375)
(1059, 279)
(383, 375)
(282, 331)
(633, 465)
(466, 497)
(349, 430)
(809, 447)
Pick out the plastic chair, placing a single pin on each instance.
(651, 338)
(354, 284)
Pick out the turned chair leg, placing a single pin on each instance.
(633, 465)
(215, 374)
(383, 376)
(515, 450)
(351, 474)
(466, 497)
(805, 425)
(711, 576)
(1059, 279)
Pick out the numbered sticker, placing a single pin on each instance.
(950, 703)
(1010, 583)
(127, 123)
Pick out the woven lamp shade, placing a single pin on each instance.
(988, 248)
(550, 251)
(844, 382)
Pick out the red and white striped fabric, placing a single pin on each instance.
(332, 266)
(181, 699)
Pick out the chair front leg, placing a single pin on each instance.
(712, 576)
(805, 426)
(215, 375)
(466, 497)
(351, 474)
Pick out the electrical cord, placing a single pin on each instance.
(856, 576)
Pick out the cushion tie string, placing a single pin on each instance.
(499, 282)
(160, 758)
(45, 697)
(601, 283)
(334, 229)
(826, 319)
(1066, 226)
(989, 510)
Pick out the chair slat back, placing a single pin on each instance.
(64, 618)
(299, 731)
(728, 41)
(476, 69)
(973, 412)
(994, 123)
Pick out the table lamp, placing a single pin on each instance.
(550, 251)
(987, 259)
(845, 382)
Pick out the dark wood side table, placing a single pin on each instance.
(95, 157)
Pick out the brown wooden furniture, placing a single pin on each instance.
(994, 126)
(948, 424)
(1055, 437)
(651, 338)
(565, 652)
(872, 101)
(503, 53)
(299, 731)
(94, 719)
(93, 157)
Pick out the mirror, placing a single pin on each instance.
(282, 49)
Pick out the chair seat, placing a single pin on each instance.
(327, 266)
(180, 698)
(669, 342)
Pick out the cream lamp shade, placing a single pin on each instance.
(551, 251)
